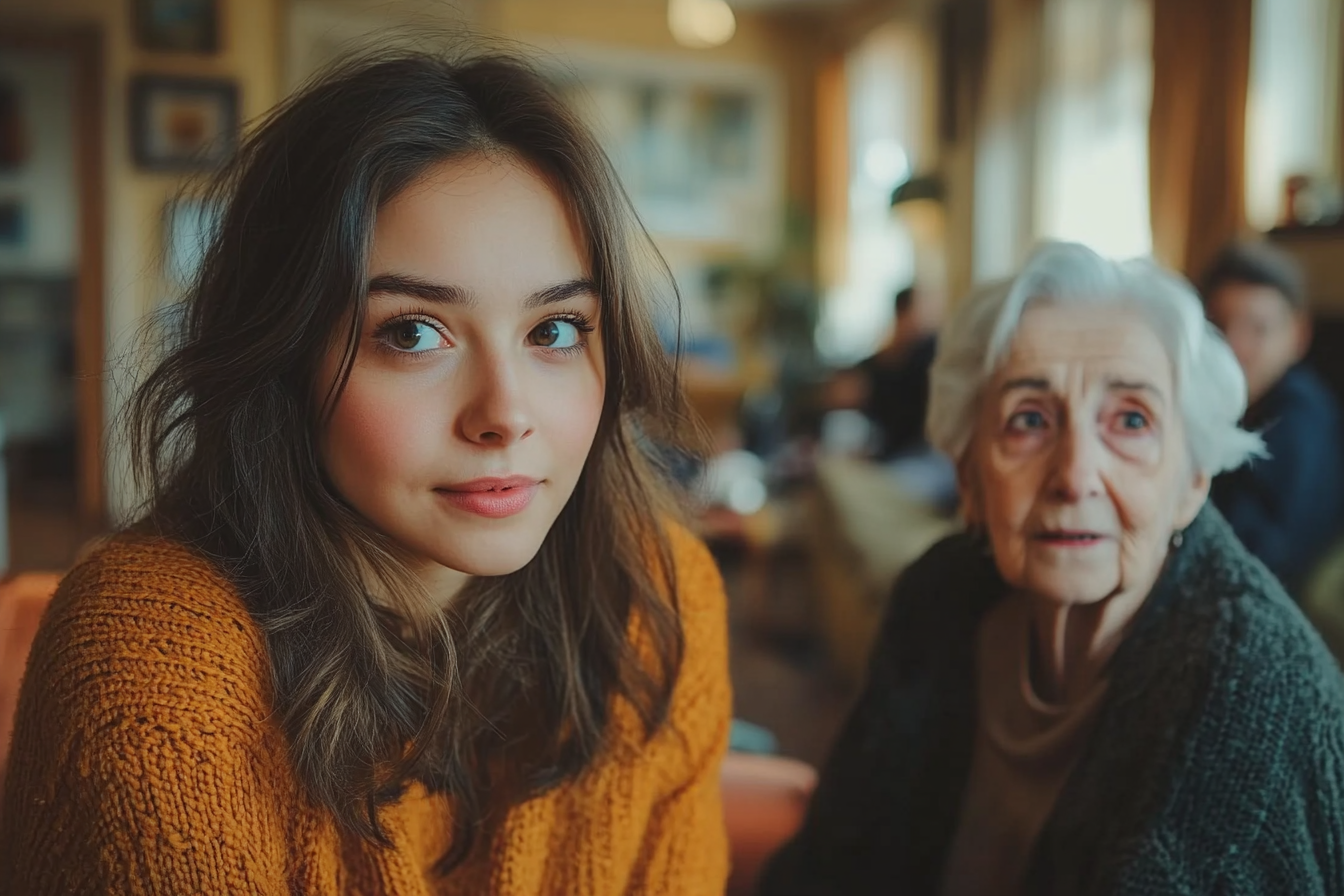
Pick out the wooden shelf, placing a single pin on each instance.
(1320, 252)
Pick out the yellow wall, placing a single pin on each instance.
(789, 48)
(135, 199)
(630, 23)
(255, 37)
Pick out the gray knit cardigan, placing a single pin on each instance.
(1216, 765)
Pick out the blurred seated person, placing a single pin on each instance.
(1286, 508)
(891, 389)
(1095, 689)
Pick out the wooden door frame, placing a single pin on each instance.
(83, 45)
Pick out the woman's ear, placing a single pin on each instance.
(1192, 499)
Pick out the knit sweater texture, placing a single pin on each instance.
(147, 760)
(1216, 764)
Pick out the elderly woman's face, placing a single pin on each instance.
(1079, 469)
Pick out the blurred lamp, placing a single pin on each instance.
(885, 163)
(701, 23)
(924, 186)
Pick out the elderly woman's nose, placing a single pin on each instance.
(1076, 465)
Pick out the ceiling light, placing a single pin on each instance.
(700, 23)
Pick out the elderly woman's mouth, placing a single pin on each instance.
(1070, 538)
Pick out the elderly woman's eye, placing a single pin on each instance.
(1024, 421)
(1133, 420)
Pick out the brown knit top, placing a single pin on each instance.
(146, 760)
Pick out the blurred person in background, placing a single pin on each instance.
(891, 386)
(891, 389)
(1095, 689)
(1286, 507)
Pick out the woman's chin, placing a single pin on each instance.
(490, 559)
(1065, 594)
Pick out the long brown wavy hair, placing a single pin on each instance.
(509, 691)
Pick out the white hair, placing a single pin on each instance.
(1210, 387)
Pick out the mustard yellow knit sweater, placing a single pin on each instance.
(146, 760)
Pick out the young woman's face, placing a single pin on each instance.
(479, 379)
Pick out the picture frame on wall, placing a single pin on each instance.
(696, 145)
(181, 123)
(177, 26)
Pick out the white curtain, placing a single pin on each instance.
(1092, 163)
(1293, 103)
(1005, 171)
(887, 81)
(1063, 146)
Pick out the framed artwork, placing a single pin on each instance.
(177, 26)
(696, 145)
(182, 124)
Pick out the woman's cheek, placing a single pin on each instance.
(380, 426)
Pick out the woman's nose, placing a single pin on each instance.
(496, 412)
(1077, 464)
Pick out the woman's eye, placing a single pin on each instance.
(556, 334)
(413, 336)
(1133, 420)
(1025, 421)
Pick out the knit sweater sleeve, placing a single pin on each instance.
(140, 761)
(686, 842)
(1260, 809)
(1297, 846)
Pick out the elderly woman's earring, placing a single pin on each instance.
(1177, 539)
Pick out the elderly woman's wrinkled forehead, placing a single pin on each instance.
(1207, 383)
(1087, 335)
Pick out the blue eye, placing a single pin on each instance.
(1026, 420)
(1133, 420)
(412, 336)
(556, 333)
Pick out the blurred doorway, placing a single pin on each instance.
(51, 293)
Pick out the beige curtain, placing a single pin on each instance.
(1197, 128)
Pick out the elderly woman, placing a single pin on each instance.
(1095, 689)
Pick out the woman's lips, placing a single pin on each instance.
(493, 497)
(1070, 538)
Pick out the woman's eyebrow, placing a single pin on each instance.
(450, 294)
(405, 285)
(561, 292)
(1035, 383)
(1123, 385)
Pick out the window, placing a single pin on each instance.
(1092, 159)
(1293, 101)
(1063, 146)
(886, 81)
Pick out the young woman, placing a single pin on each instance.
(407, 613)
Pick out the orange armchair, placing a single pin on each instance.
(764, 800)
(23, 600)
